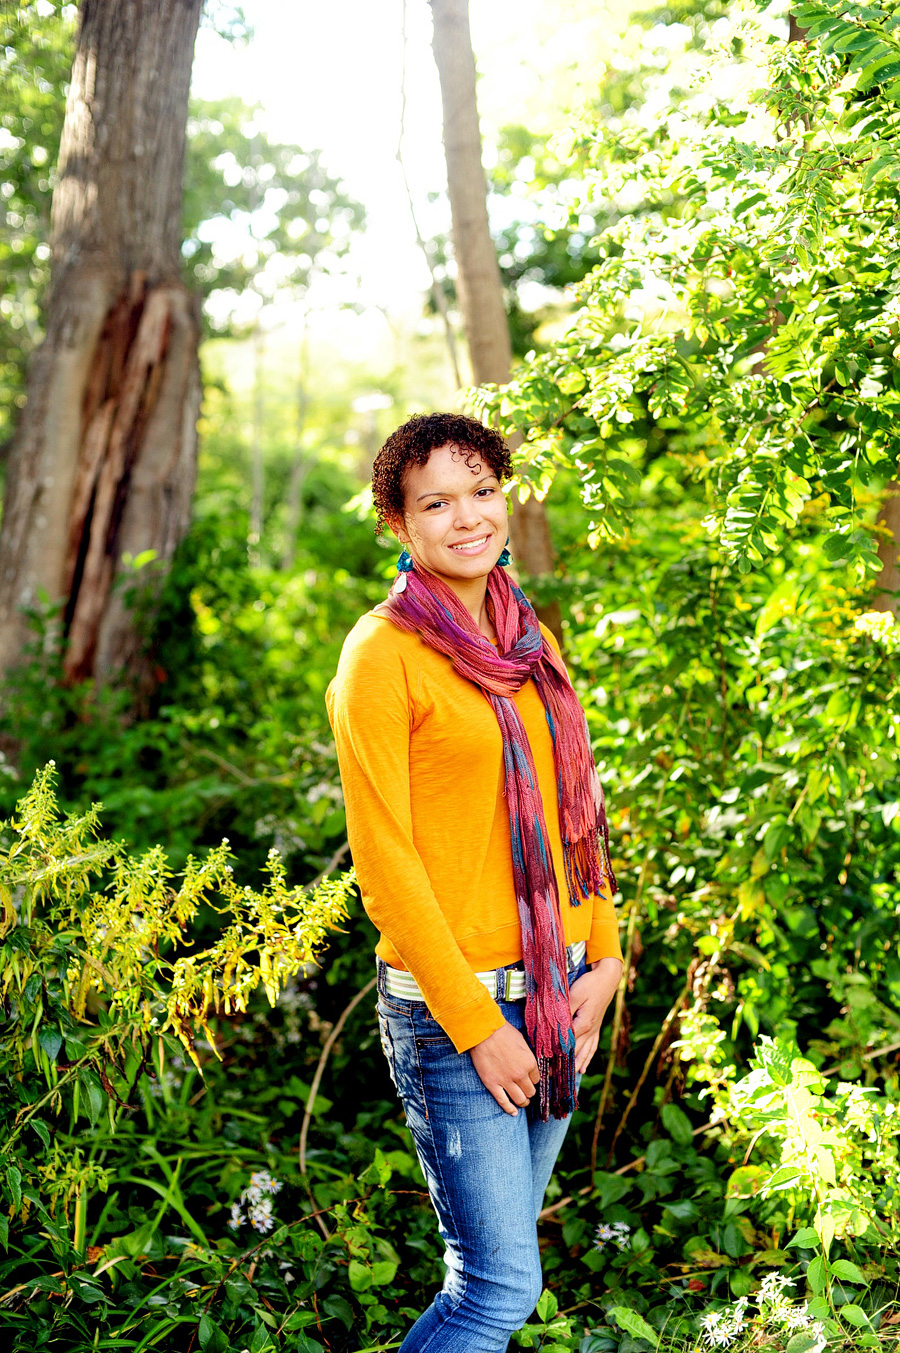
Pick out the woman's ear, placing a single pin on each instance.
(395, 525)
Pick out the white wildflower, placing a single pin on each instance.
(797, 1317)
(262, 1180)
(257, 1199)
(773, 1287)
(721, 1328)
(737, 1318)
(817, 1329)
(617, 1234)
(716, 1329)
(260, 1215)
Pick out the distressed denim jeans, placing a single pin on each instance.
(487, 1172)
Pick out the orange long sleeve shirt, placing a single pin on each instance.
(421, 760)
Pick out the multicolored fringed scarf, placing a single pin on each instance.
(429, 608)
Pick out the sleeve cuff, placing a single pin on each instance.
(472, 1024)
(603, 941)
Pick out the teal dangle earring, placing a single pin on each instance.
(505, 556)
(404, 566)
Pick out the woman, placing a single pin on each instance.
(476, 821)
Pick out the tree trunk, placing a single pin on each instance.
(477, 271)
(103, 463)
(300, 465)
(257, 461)
(888, 580)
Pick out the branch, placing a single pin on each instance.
(314, 1090)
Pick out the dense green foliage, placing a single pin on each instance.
(35, 59)
(760, 925)
(718, 424)
(753, 299)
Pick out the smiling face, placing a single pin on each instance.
(454, 519)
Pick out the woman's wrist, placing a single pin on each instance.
(607, 965)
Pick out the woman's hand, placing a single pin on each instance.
(589, 998)
(507, 1067)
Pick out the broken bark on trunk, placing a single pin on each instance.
(103, 462)
(478, 280)
(888, 580)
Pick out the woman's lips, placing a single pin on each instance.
(474, 546)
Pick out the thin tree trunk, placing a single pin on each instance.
(300, 466)
(257, 464)
(478, 279)
(103, 462)
(437, 291)
(888, 580)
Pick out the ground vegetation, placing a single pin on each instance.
(201, 1145)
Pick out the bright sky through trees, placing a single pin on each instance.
(329, 76)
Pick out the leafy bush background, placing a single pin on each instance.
(725, 447)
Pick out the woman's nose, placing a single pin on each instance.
(467, 515)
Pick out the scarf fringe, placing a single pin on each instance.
(557, 1096)
(588, 866)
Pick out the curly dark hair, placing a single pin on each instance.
(412, 444)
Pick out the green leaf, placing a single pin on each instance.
(50, 1040)
(377, 1173)
(611, 1187)
(338, 1307)
(816, 1274)
(212, 1340)
(96, 1097)
(4, 1231)
(547, 1306)
(880, 72)
(805, 1239)
(383, 1271)
(854, 1315)
(677, 1124)
(47, 1284)
(825, 1162)
(262, 1339)
(733, 1242)
(634, 1324)
(306, 1344)
(685, 1209)
(574, 1231)
(14, 1184)
(776, 838)
(837, 546)
(801, 1342)
(746, 203)
(298, 1321)
(783, 1178)
(40, 1127)
(360, 1276)
(86, 1291)
(847, 1272)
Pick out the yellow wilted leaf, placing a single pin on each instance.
(751, 896)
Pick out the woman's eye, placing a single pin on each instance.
(486, 490)
(439, 502)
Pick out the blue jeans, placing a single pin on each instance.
(487, 1172)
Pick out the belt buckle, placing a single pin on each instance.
(506, 984)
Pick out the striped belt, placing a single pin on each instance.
(504, 984)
